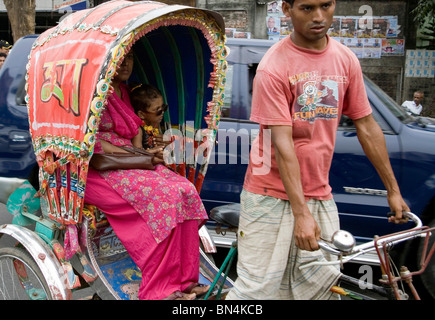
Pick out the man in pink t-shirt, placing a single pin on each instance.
(303, 85)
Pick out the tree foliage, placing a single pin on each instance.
(424, 17)
(425, 10)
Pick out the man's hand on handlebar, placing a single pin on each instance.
(306, 232)
(397, 206)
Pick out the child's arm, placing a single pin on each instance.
(137, 140)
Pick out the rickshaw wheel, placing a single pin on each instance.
(20, 276)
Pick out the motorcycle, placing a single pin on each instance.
(63, 244)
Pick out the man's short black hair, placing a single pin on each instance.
(291, 2)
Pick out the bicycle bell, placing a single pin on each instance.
(343, 240)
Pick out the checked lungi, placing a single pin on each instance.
(268, 259)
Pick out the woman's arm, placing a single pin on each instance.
(110, 148)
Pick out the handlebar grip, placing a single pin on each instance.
(325, 246)
(409, 215)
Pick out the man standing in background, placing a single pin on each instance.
(414, 107)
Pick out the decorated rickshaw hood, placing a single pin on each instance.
(71, 66)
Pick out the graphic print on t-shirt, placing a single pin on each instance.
(316, 96)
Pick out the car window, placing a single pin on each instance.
(243, 61)
(346, 123)
(21, 93)
(238, 91)
(252, 69)
(380, 97)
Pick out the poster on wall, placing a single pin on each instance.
(373, 42)
(420, 63)
(348, 27)
(286, 26)
(273, 25)
(334, 30)
(368, 38)
(233, 33)
(393, 47)
(372, 48)
(274, 7)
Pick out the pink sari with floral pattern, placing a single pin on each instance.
(155, 213)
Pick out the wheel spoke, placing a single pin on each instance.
(20, 277)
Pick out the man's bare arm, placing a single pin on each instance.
(372, 141)
(306, 230)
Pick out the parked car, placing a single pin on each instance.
(357, 189)
(16, 153)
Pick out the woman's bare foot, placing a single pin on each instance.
(198, 290)
(187, 296)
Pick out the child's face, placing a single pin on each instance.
(154, 114)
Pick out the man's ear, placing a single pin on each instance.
(286, 7)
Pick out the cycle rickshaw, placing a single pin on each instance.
(179, 49)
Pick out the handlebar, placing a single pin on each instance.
(343, 243)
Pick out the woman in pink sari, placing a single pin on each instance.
(155, 213)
